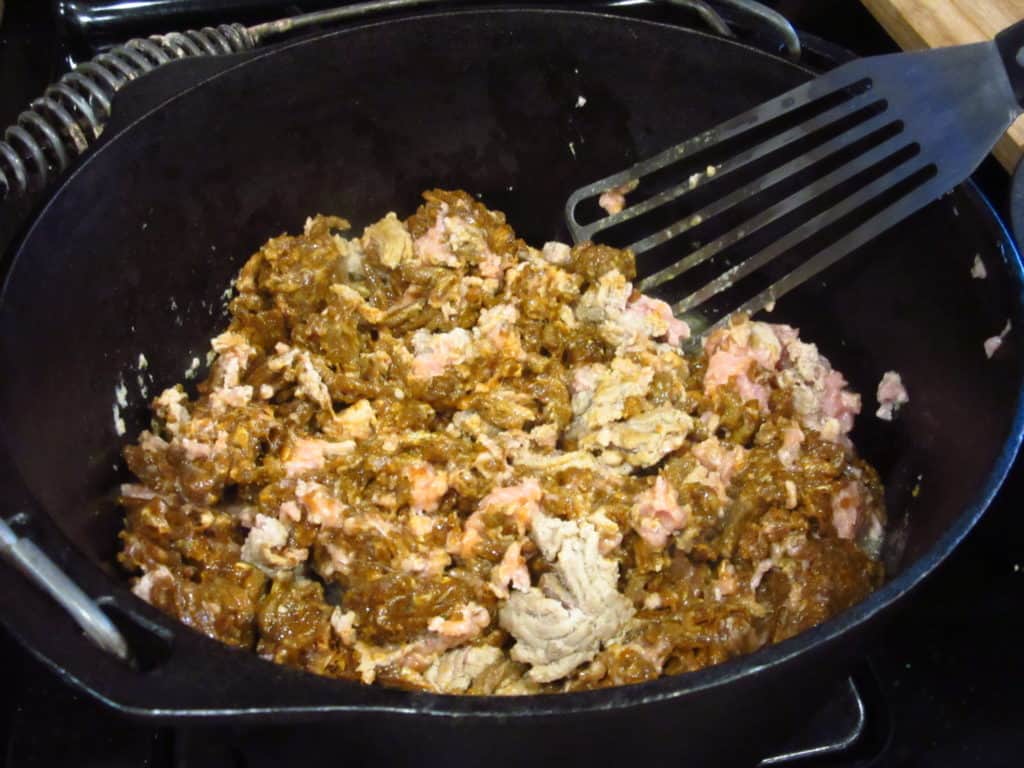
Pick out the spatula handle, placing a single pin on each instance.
(1010, 43)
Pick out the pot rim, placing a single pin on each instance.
(382, 700)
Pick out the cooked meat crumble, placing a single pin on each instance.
(435, 457)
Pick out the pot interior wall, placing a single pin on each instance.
(132, 257)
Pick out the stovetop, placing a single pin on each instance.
(941, 687)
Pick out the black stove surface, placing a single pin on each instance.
(942, 686)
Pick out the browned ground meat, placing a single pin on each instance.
(435, 457)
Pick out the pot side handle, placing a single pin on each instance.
(28, 558)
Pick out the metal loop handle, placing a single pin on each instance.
(775, 20)
(707, 14)
(24, 555)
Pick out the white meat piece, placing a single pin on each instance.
(846, 510)
(556, 253)
(431, 563)
(288, 511)
(495, 332)
(420, 525)
(151, 443)
(297, 365)
(577, 608)
(358, 421)
(519, 502)
(511, 571)
(341, 560)
(230, 397)
(233, 355)
(266, 547)
(656, 515)
(309, 454)
(351, 254)
(434, 353)
(630, 324)
(726, 582)
(701, 475)
(311, 385)
(652, 601)
(733, 351)
(606, 300)
(143, 588)
(820, 397)
(198, 450)
(600, 392)
(607, 529)
(599, 401)
(614, 200)
(891, 395)
(467, 237)
(760, 570)
(321, 507)
(343, 623)
(432, 247)
(137, 491)
(472, 620)
(456, 670)
(490, 266)
(232, 342)
(559, 461)
(855, 519)
(720, 458)
(643, 440)
(545, 436)
(390, 240)
(352, 302)
(371, 658)
(791, 494)
(792, 438)
(653, 318)
(427, 486)
(411, 659)
(171, 407)
(367, 522)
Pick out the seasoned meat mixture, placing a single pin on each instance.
(435, 457)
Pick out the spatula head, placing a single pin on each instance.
(803, 179)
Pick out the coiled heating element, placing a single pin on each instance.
(70, 115)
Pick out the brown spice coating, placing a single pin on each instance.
(377, 534)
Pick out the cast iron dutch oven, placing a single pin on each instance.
(131, 256)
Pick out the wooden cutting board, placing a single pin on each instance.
(916, 24)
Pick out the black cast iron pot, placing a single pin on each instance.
(133, 252)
